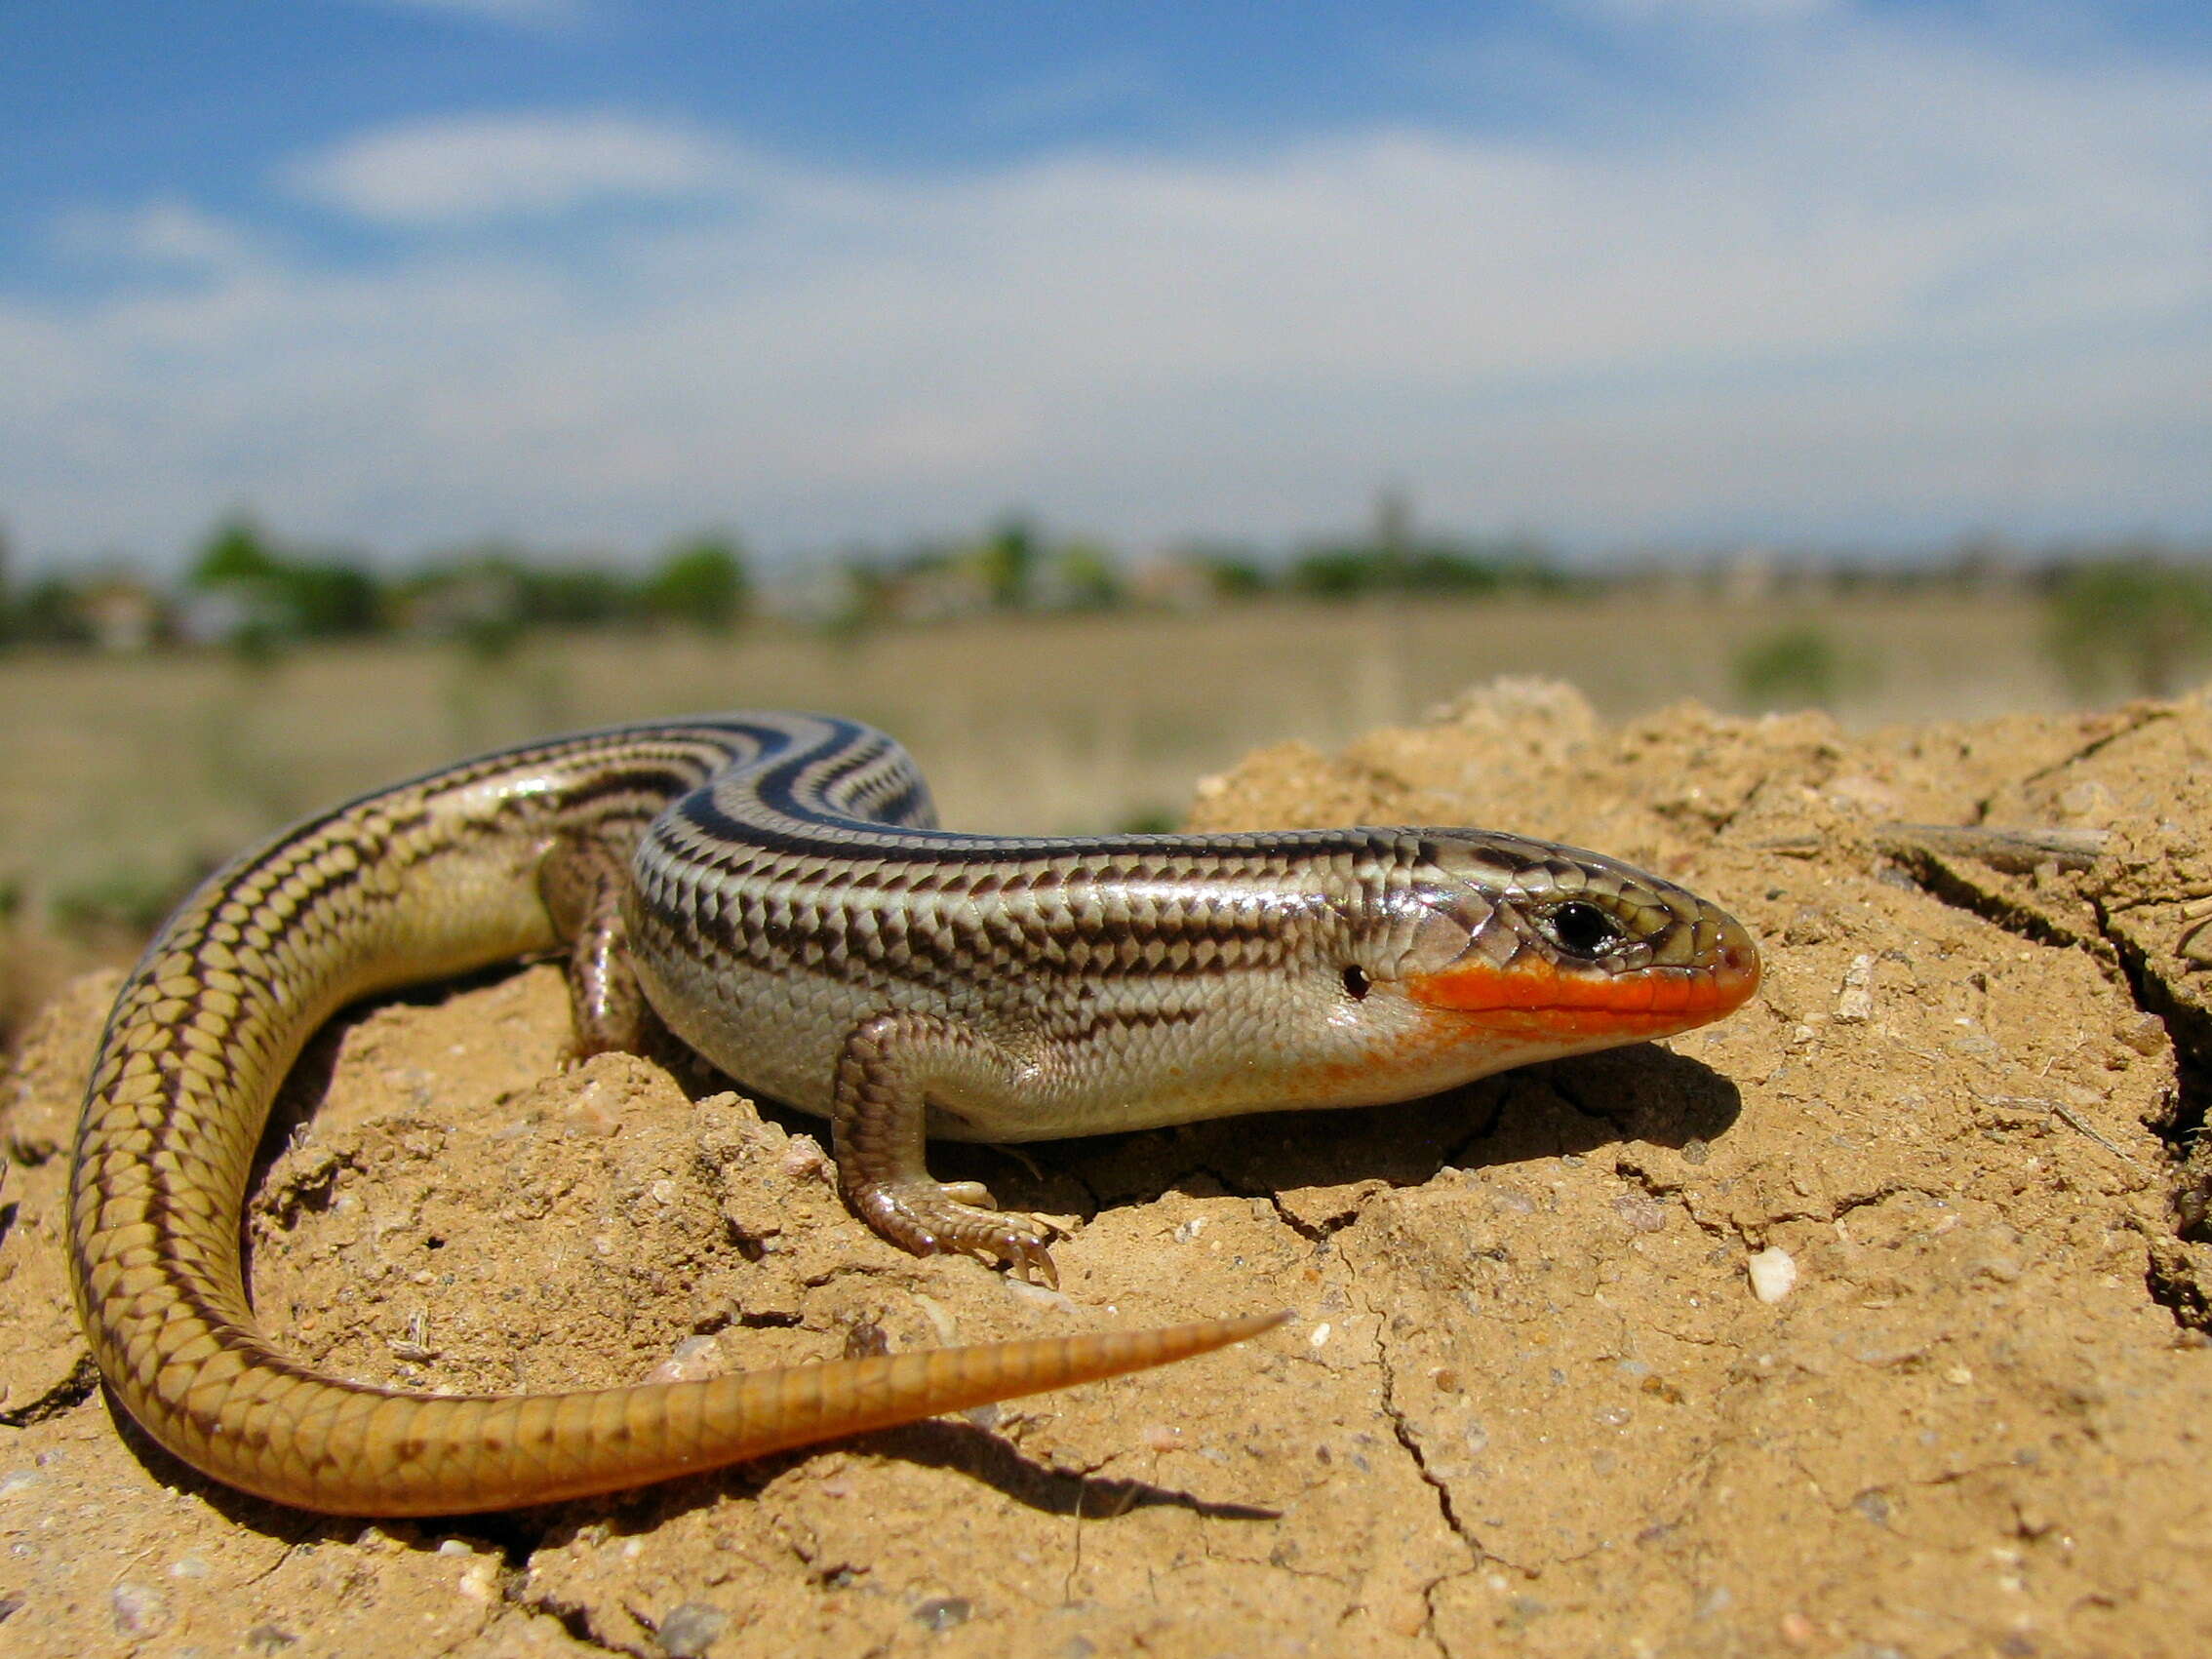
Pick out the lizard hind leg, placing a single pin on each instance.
(581, 881)
(884, 1079)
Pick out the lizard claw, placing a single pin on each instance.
(929, 1218)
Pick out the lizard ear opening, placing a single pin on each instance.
(1441, 935)
(1356, 982)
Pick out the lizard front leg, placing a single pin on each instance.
(885, 1076)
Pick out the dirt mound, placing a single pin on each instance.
(1870, 1321)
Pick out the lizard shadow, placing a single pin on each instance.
(1555, 1109)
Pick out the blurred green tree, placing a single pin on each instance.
(277, 595)
(1008, 563)
(2137, 620)
(236, 553)
(702, 581)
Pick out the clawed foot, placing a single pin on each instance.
(941, 1217)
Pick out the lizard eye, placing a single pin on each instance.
(1356, 982)
(1580, 929)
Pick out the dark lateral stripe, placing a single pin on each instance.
(1151, 857)
(660, 784)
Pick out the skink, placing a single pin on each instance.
(774, 890)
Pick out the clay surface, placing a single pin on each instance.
(1869, 1323)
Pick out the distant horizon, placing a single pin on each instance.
(1631, 276)
(1276, 555)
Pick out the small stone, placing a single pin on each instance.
(1855, 1005)
(140, 1611)
(943, 1612)
(271, 1639)
(688, 1631)
(1773, 1274)
(692, 1360)
(1642, 1213)
(2144, 1033)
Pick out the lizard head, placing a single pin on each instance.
(1529, 951)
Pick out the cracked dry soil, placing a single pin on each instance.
(1529, 1404)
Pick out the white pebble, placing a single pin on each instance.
(1773, 1274)
(1855, 1004)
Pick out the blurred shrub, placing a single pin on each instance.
(1234, 575)
(1798, 667)
(2138, 622)
(1355, 571)
(132, 901)
(49, 612)
(1083, 575)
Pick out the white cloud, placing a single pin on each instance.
(1901, 288)
(477, 168)
(163, 234)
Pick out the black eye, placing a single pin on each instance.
(1356, 982)
(1581, 929)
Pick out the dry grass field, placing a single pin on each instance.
(127, 774)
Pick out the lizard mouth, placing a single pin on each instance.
(1536, 998)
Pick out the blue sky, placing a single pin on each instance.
(1629, 273)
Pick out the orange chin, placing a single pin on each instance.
(1534, 999)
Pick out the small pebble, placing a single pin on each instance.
(688, 1631)
(943, 1612)
(1855, 1004)
(692, 1360)
(1773, 1274)
(140, 1612)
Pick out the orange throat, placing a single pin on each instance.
(1534, 999)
